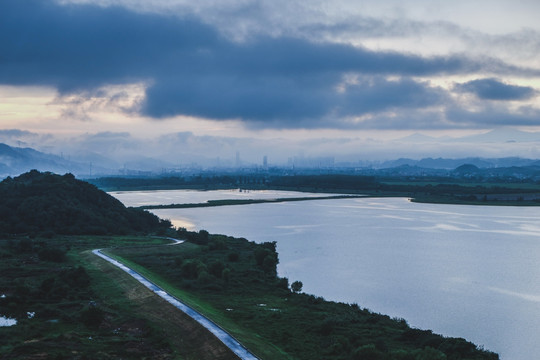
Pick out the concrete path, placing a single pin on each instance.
(221, 334)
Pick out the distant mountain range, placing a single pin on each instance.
(530, 172)
(507, 135)
(15, 161)
(450, 164)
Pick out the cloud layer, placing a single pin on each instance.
(190, 68)
(493, 89)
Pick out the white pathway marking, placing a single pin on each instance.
(221, 334)
(174, 241)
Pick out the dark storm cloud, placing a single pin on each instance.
(83, 46)
(378, 94)
(191, 69)
(493, 89)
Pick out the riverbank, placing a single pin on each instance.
(235, 281)
(228, 202)
(428, 190)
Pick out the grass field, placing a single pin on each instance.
(97, 312)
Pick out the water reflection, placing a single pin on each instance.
(4, 321)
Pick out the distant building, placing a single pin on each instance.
(237, 159)
(265, 161)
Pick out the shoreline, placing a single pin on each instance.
(229, 202)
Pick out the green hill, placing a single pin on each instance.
(45, 203)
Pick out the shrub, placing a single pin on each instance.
(368, 352)
(217, 245)
(233, 257)
(92, 316)
(52, 254)
(283, 283)
(25, 246)
(216, 268)
(296, 286)
(204, 278)
(430, 353)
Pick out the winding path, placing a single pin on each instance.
(221, 334)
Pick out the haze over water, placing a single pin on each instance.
(464, 271)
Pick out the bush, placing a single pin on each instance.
(233, 257)
(204, 278)
(92, 316)
(216, 268)
(226, 275)
(189, 269)
(283, 283)
(52, 254)
(217, 245)
(178, 261)
(269, 264)
(76, 278)
(368, 352)
(296, 286)
(429, 353)
(25, 246)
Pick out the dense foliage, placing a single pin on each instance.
(67, 309)
(239, 277)
(48, 204)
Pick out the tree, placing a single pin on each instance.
(296, 286)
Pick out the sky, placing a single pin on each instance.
(186, 81)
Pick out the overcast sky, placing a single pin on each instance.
(182, 80)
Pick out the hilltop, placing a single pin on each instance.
(47, 204)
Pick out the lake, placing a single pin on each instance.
(165, 197)
(464, 271)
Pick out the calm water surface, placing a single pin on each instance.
(165, 197)
(465, 271)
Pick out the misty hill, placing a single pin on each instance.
(15, 161)
(47, 203)
(530, 172)
(450, 164)
(438, 163)
(467, 169)
(501, 135)
(505, 135)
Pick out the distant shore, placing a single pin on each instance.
(228, 202)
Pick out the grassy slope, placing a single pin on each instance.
(134, 324)
(263, 348)
(190, 340)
